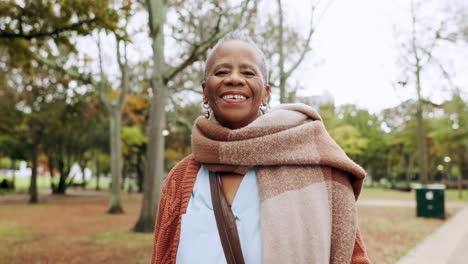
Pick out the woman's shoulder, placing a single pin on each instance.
(186, 165)
(182, 175)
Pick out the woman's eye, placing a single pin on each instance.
(218, 73)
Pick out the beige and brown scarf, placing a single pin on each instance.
(308, 186)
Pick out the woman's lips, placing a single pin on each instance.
(234, 97)
(233, 101)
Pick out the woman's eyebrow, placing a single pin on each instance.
(222, 65)
(248, 66)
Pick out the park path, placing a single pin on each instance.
(447, 245)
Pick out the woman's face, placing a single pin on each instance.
(234, 86)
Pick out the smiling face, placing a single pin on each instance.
(234, 86)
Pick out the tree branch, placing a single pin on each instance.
(83, 78)
(153, 23)
(101, 85)
(428, 51)
(124, 71)
(306, 48)
(188, 89)
(53, 33)
(203, 46)
(281, 41)
(427, 102)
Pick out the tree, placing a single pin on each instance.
(27, 25)
(13, 148)
(133, 136)
(283, 73)
(179, 124)
(133, 147)
(71, 134)
(25, 117)
(107, 93)
(370, 127)
(32, 28)
(115, 108)
(284, 45)
(401, 124)
(417, 59)
(161, 76)
(450, 135)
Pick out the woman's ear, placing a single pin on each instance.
(205, 98)
(266, 95)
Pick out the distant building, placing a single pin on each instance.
(316, 100)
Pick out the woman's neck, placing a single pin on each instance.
(230, 183)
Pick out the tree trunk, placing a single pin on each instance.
(282, 87)
(283, 73)
(422, 147)
(51, 171)
(33, 185)
(116, 162)
(13, 171)
(388, 175)
(124, 176)
(139, 171)
(421, 130)
(62, 185)
(98, 173)
(409, 169)
(459, 184)
(282, 76)
(460, 175)
(83, 168)
(154, 171)
(154, 174)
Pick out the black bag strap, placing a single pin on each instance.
(226, 223)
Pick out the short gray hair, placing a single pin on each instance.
(238, 35)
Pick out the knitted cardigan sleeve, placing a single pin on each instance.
(175, 195)
(165, 221)
(359, 252)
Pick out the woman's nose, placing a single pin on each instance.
(234, 79)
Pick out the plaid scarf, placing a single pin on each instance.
(308, 186)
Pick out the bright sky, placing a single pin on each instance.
(356, 42)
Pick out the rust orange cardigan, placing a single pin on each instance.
(175, 196)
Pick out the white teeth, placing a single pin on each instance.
(234, 96)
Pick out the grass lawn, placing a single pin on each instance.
(43, 182)
(76, 229)
(389, 194)
(390, 232)
(368, 193)
(23, 182)
(71, 229)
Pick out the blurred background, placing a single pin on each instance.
(98, 98)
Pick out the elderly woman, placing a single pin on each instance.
(262, 186)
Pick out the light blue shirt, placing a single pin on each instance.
(199, 238)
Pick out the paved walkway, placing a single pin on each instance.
(447, 245)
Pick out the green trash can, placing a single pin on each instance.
(430, 200)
